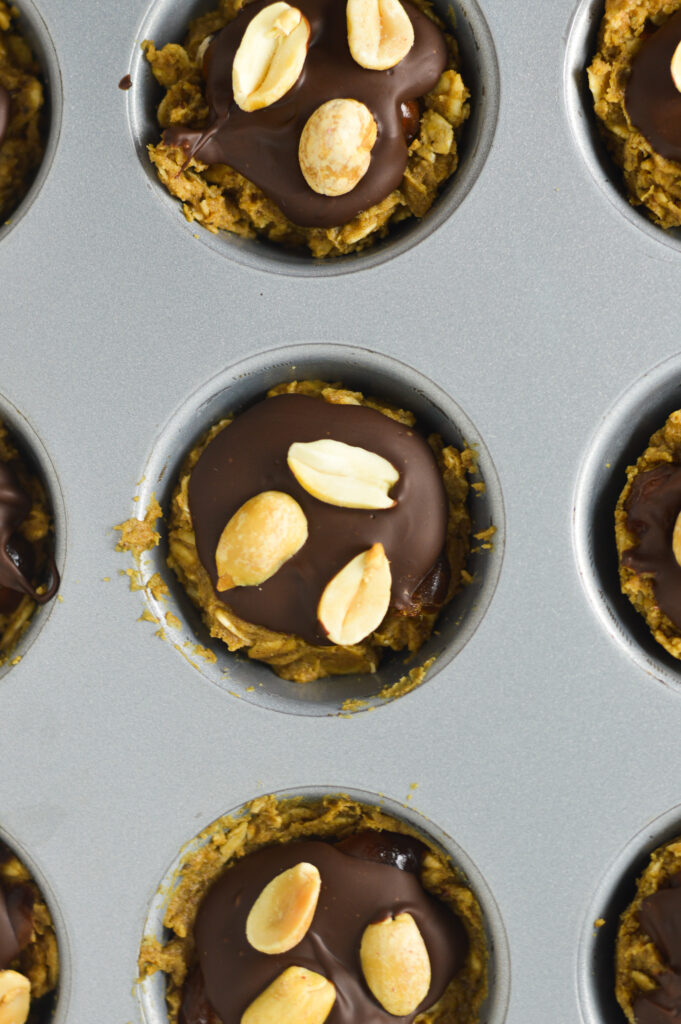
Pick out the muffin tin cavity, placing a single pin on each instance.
(582, 43)
(151, 990)
(36, 459)
(51, 1008)
(596, 957)
(235, 389)
(31, 25)
(622, 436)
(167, 21)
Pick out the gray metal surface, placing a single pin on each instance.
(546, 310)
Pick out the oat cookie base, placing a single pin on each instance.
(22, 149)
(290, 656)
(637, 960)
(651, 180)
(267, 821)
(664, 446)
(217, 197)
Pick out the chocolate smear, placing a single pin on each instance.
(15, 505)
(660, 918)
(5, 112)
(652, 100)
(263, 145)
(16, 922)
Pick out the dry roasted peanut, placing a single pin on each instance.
(264, 533)
(297, 996)
(283, 912)
(380, 33)
(395, 963)
(355, 601)
(675, 67)
(676, 539)
(15, 997)
(335, 146)
(342, 474)
(270, 57)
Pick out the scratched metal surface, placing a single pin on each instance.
(543, 310)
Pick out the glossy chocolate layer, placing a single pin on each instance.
(16, 922)
(5, 112)
(249, 456)
(652, 100)
(16, 558)
(399, 851)
(355, 892)
(263, 145)
(660, 918)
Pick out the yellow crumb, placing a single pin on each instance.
(138, 535)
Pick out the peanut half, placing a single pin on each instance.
(355, 601)
(380, 33)
(395, 963)
(297, 996)
(675, 67)
(264, 533)
(270, 57)
(342, 474)
(676, 539)
(283, 912)
(15, 997)
(335, 146)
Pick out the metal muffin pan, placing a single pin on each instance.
(548, 319)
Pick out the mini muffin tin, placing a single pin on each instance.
(532, 314)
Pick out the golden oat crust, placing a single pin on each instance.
(267, 821)
(664, 447)
(651, 180)
(217, 197)
(291, 657)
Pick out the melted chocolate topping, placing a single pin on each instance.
(16, 563)
(653, 505)
(16, 922)
(263, 145)
(355, 892)
(411, 118)
(249, 456)
(5, 112)
(660, 918)
(652, 100)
